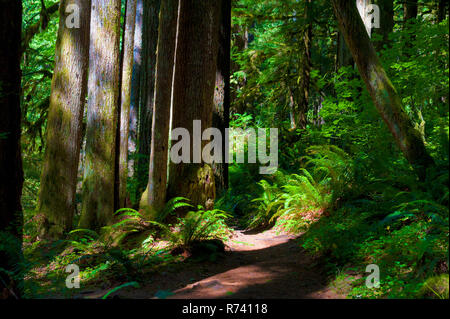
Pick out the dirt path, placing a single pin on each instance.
(261, 265)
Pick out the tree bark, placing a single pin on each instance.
(193, 97)
(154, 198)
(127, 69)
(383, 93)
(301, 111)
(11, 174)
(221, 111)
(386, 22)
(135, 85)
(103, 89)
(149, 42)
(64, 124)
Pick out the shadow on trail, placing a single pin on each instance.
(263, 265)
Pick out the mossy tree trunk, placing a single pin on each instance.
(11, 173)
(127, 69)
(157, 179)
(193, 97)
(383, 93)
(64, 124)
(147, 85)
(221, 112)
(103, 91)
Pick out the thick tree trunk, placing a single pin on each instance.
(11, 174)
(380, 88)
(127, 69)
(64, 124)
(221, 112)
(149, 42)
(193, 97)
(103, 89)
(154, 198)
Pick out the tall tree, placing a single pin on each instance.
(155, 196)
(221, 112)
(147, 84)
(193, 97)
(386, 22)
(301, 112)
(65, 117)
(135, 82)
(103, 91)
(127, 69)
(383, 93)
(11, 174)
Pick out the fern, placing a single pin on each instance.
(200, 225)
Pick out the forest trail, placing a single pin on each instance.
(254, 265)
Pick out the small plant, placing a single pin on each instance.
(199, 226)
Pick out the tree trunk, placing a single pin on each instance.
(301, 112)
(64, 124)
(442, 8)
(11, 174)
(410, 8)
(149, 42)
(221, 111)
(103, 89)
(154, 198)
(344, 56)
(386, 22)
(193, 97)
(136, 86)
(127, 69)
(380, 88)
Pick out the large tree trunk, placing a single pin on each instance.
(127, 69)
(221, 112)
(154, 198)
(380, 88)
(11, 174)
(103, 87)
(193, 97)
(149, 42)
(64, 124)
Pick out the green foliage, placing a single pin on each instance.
(199, 226)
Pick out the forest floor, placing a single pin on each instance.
(254, 265)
